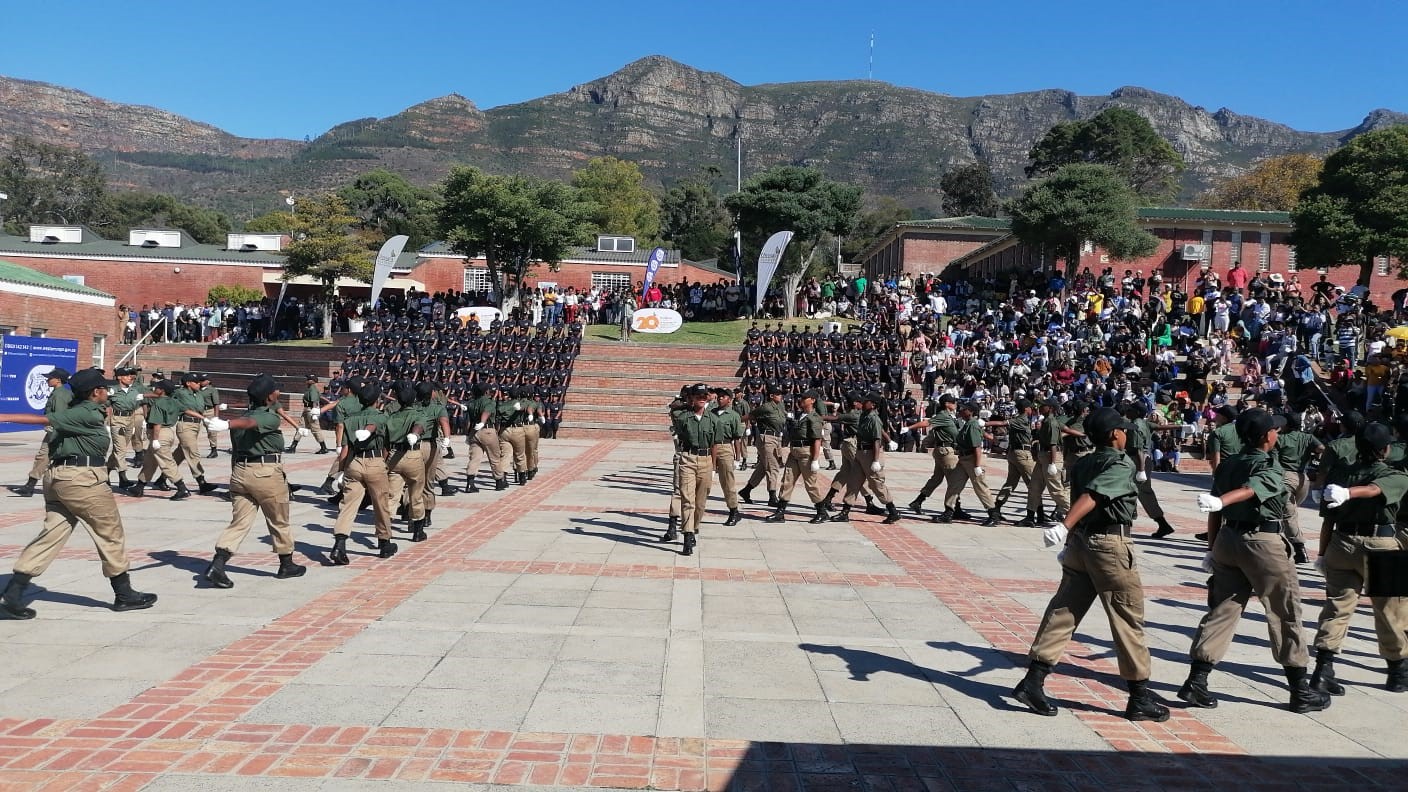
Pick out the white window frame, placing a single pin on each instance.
(614, 281)
(1236, 252)
(1291, 260)
(100, 349)
(1263, 261)
(476, 279)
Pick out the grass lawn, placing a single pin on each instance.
(724, 334)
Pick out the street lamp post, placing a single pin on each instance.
(3, 197)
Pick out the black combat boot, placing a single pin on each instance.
(213, 454)
(125, 598)
(945, 516)
(532, 474)
(501, 484)
(1029, 521)
(1397, 676)
(122, 481)
(215, 573)
(831, 464)
(917, 505)
(447, 489)
(688, 545)
(1298, 553)
(322, 448)
(12, 601)
(772, 499)
(822, 514)
(1143, 704)
(1323, 678)
(843, 514)
(292, 447)
(470, 486)
(425, 521)
(338, 555)
(1031, 690)
(672, 532)
(418, 530)
(335, 500)
(449, 452)
(733, 517)
(137, 489)
(959, 513)
(779, 514)
(1303, 698)
(326, 489)
(870, 507)
(892, 515)
(288, 569)
(747, 495)
(181, 492)
(994, 517)
(161, 484)
(1164, 529)
(205, 487)
(25, 490)
(1195, 689)
(520, 478)
(386, 548)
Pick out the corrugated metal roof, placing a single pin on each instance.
(11, 272)
(96, 247)
(583, 254)
(1213, 215)
(974, 222)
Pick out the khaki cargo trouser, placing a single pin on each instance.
(258, 487)
(872, 479)
(365, 476)
(1243, 564)
(945, 462)
(772, 455)
(693, 481)
(799, 465)
(163, 459)
(73, 494)
(724, 468)
(1054, 485)
(120, 427)
(967, 471)
(1346, 570)
(405, 475)
(188, 437)
(515, 440)
(485, 440)
(1102, 566)
(1020, 467)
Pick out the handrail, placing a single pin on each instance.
(132, 353)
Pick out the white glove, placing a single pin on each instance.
(893, 446)
(444, 443)
(139, 397)
(362, 435)
(1053, 535)
(816, 465)
(156, 444)
(1053, 470)
(1207, 562)
(1061, 556)
(223, 406)
(217, 424)
(412, 438)
(338, 480)
(1208, 503)
(1320, 564)
(479, 426)
(981, 422)
(978, 471)
(517, 405)
(304, 431)
(1141, 477)
(314, 411)
(876, 467)
(1317, 496)
(1335, 495)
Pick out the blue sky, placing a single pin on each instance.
(296, 68)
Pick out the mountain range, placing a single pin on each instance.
(670, 118)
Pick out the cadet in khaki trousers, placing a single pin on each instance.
(1097, 562)
(484, 437)
(803, 461)
(514, 439)
(1362, 504)
(696, 431)
(970, 468)
(257, 482)
(162, 413)
(532, 433)
(1250, 554)
(58, 401)
(188, 427)
(1048, 476)
(1141, 437)
(769, 423)
(942, 438)
(1021, 465)
(76, 489)
(405, 462)
(869, 462)
(210, 400)
(125, 402)
(848, 480)
(364, 431)
(436, 420)
(1294, 451)
(730, 428)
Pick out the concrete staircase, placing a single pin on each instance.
(163, 357)
(232, 366)
(622, 390)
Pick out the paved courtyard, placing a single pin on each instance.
(543, 637)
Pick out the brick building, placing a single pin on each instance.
(1190, 241)
(33, 303)
(918, 246)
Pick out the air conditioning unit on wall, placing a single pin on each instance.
(1195, 252)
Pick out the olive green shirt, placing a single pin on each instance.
(1294, 449)
(79, 430)
(163, 411)
(730, 427)
(431, 412)
(124, 400)
(59, 400)
(1258, 470)
(869, 429)
(481, 406)
(1019, 433)
(806, 429)
(359, 417)
(846, 422)
(695, 431)
(1379, 510)
(769, 417)
(1049, 435)
(970, 436)
(1073, 444)
(210, 397)
(401, 423)
(1339, 454)
(1107, 476)
(189, 400)
(312, 397)
(1137, 439)
(944, 429)
(1224, 440)
(504, 412)
(264, 438)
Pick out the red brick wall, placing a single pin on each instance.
(62, 319)
(933, 253)
(145, 283)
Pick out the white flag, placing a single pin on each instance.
(384, 259)
(768, 261)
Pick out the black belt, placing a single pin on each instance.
(807, 444)
(697, 451)
(770, 434)
(366, 454)
(1121, 529)
(1263, 526)
(79, 461)
(1368, 529)
(866, 446)
(266, 459)
(122, 413)
(189, 419)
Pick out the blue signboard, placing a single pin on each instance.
(23, 363)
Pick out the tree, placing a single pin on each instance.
(1274, 185)
(121, 212)
(275, 222)
(694, 221)
(1117, 137)
(872, 224)
(513, 221)
(387, 205)
(49, 184)
(796, 199)
(233, 294)
(619, 202)
(325, 248)
(1076, 204)
(968, 191)
(1358, 209)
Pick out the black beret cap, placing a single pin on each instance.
(88, 380)
(259, 389)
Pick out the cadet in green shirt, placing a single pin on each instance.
(1365, 500)
(1250, 554)
(405, 462)
(697, 432)
(513, 435)
(257, 482)
(768, 422)
(76, 490)
(430, 399)
(1223, 442)
(124, 413)
(803, 461)
(730, 428)
(1294, 451)
(942, 438)
(211, 407)
(870, 459)
(1098, 562)
(58, 401)
(1141, 436)
(313, 402)
(364, 454)
(162, 414)
(189, 424)
(849, 479)
(483, 436)
(1020, 462)
(1048, 475)
(969, 448)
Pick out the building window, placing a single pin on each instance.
(1087, 247)
(477, 280)
(1290, 259)
(6, 330)
(1236, 252)
(100, 348)
(614, 281)
(37, 332)
(1263, 260)
(1381, 265)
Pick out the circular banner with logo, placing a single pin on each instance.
(484, 314)
(656, 320)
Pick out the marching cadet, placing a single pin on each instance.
(257, 482)
(513, 435)
(210, 399)
(531, 431)
(364, 432)
(76, 489)
(162, 414)
(125, 403)
(58, 401)
(769, 424)
(1141, 435)
(870, 461)
(1097, 562)
(1020, 462)
(345, 403)
(188, 426)
(1294, 451)
(696, 430)
(678, 406)
(483, 437)
(1047, 475)
(803, 461)
(849, 479)
(436, 442)
(1250, 554)
(942, 438)
(313, 403)
(405, 464)
(730, 430)
(1224, 441)
(969, 447)
(1364, 501)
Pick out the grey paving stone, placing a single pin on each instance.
(377, 670)
(508, 645)
(892, 724)
(477, 707)
(367, 705)
(774, 720)
(612, 649)
(585, 712)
